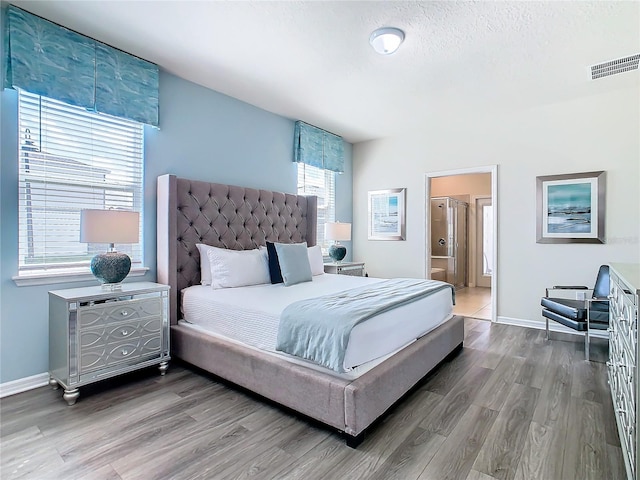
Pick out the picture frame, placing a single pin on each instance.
(571, 208)
(386, 214)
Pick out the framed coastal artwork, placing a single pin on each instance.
(386, 214)
(570, 208)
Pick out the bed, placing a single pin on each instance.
(192, 212)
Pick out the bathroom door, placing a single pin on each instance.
(484, 242)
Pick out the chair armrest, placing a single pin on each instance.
(565, 287)
(589, 301)
(597, 299)
(569, 287)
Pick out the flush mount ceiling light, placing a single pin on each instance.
(386, 40)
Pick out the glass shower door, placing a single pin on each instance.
(449, 238)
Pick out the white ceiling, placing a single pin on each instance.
(311, 60)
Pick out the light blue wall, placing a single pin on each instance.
(203, 135)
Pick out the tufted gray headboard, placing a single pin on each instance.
(226, 216)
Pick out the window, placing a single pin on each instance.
(71, 159)
(321, 183)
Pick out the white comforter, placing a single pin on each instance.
(251, 315)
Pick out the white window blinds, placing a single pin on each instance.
(321, 183)
(71, 159)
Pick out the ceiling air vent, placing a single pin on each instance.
(612, 67)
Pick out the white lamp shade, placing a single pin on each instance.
(386, 40)
(337, 231)
(109, 226)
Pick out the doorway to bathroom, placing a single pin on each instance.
(461, 236)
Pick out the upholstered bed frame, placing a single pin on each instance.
(191, 212)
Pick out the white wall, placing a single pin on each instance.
(599, 132)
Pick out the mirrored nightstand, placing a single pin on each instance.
(96, 334)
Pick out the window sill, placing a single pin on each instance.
(66, 277)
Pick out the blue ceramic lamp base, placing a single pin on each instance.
(337, 252)
(111, 268)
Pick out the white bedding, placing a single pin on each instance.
(251, 315)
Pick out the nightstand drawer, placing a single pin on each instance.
(95, 358)
(355, 269)
(107, 313)
(92, 337)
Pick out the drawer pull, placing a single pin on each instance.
(125, 352)
(124, 313)
(124, 332)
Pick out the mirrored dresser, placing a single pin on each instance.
(96, 334)
(622, 366)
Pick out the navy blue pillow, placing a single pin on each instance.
(274, 264)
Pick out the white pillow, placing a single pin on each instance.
(205, 267)
(316, 260)
(238, 268)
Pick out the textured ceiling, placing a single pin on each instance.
(311, 60)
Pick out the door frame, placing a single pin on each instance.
(493, 170)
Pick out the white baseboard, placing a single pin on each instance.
(23, 384)
(553, 326)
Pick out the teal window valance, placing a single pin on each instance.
(318, 148)
(126, 86)
(49, 60)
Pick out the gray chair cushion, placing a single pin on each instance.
(575, 324)
(601, 288)
(571, 312)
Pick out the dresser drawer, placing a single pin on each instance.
(623, 316)
(102, 356)
(114, 333)
(103, 314)
(619, 289)
(627, 419)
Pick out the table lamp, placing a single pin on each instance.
(337, 231)
(110, 226)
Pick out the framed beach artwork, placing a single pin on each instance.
(570, 208)
(387, 214)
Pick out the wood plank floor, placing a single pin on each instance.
(510, 406)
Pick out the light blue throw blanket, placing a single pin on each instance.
(318, 329)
